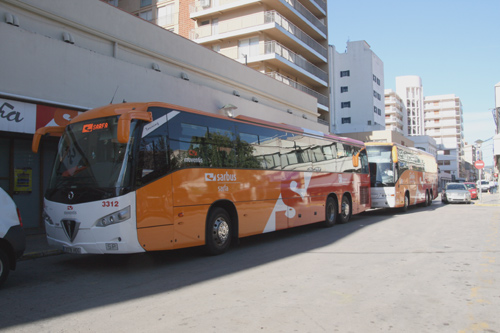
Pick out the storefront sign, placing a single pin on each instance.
(23, 180)
(17, 116)
(23, 117)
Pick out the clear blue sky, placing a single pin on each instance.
(453, 45)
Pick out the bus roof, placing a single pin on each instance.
(416, 150)
(118, 109)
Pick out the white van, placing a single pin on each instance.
(483, 185)
(12, 238)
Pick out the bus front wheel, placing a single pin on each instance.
(345, 210)
(406, 203)
(330, 212)
(218, 231)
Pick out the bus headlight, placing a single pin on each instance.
(116, 217)
(46, 218)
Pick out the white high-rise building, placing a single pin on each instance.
(410, 89)
(396, 117)
(444, 122)
(356, 89)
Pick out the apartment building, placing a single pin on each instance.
(470, 157)
(357, 89)
(444, 122)
(395, 112)
(284, 39)
(410, 89)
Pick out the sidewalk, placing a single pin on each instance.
(488, 199)
(37, 246)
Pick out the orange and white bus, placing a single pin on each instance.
(141, 177)
(401, 176)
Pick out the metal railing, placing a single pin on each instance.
(275, 17)
(322, 99)
(201, 5)
(259, 19)
(282, 51)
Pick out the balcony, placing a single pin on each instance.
(322, 99)
(274, 24)
(317, 7)
(281, 56)
(292, 9)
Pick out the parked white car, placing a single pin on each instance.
(456, 192)
(12, 238)
(483, 185)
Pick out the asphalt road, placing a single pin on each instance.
(434, 269)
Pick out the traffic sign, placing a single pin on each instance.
(479, 164)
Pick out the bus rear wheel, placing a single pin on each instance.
(345, 210)
(330, 212)
(218, 231)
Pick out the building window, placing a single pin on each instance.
(346, 120)
(248, 47)
(344, 89)
(345, 73)
(446, 152)
(145, 3)
(375, 109)
(345, 105)
(166, 15)
(147, 15)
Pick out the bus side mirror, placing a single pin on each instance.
(395, 154)
(123, 131)
(51, 130)
(355, 160)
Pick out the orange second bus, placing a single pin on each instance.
(401, 176)
(138, 177)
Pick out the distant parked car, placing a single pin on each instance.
(456, 192)
(472, 189)
(483, 185)
(12, 238)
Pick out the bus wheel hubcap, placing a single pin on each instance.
(221, 231)
(345, 209)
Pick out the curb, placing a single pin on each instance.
(40, 254)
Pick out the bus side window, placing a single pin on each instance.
(262, 143)
(246, 148)
(344, 155)
(221, 146)
(153, 156)
(363, 160)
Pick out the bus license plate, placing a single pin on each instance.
(74, 250)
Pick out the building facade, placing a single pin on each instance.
(357, 89)
(395, 113)
(284, 39)
(444, 123)
(410, 89)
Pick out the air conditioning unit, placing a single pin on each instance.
(205, 3)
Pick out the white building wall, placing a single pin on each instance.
(444, 122)
(410, 89)
(396, 117)
(355, 96)
(110, 50)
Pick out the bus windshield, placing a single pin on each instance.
(382, 173)
(91, 163)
